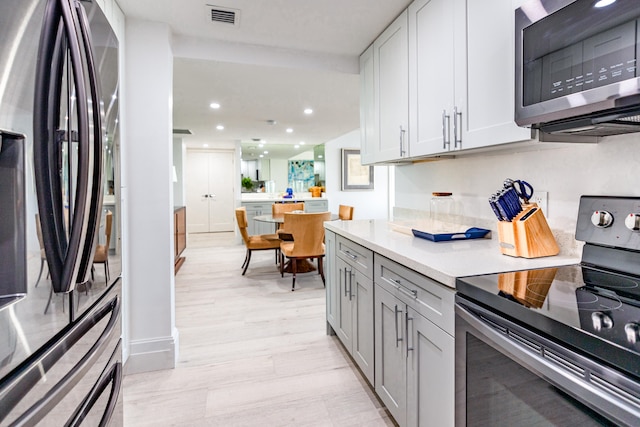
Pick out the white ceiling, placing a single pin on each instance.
(250, 94)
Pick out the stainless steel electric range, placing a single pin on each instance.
(557, 346)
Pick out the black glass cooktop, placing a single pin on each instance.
(593, 311)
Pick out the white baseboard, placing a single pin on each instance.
(152, 355)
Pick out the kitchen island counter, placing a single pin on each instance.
(441, 261)
(276, 197)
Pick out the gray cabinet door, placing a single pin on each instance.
(430, 373)
(390, 354)
(331, 286)
(344, 327)
(256, 209)
(361, 289)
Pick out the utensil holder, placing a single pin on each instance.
(528, 235)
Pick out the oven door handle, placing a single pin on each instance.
(574, 374)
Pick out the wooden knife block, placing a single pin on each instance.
(528, 235)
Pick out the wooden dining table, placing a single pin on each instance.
(279, 219)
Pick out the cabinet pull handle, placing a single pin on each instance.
(345, 282)
(410, 292)
(457, 115)
(402, 151)
(408, 319)
(350, 284)
(350, 255)
(446, 130)
(396, 312)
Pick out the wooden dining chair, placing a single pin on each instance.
(278, 209)
(256, 242)
(345, 212)
(102, 251)
(307, 230)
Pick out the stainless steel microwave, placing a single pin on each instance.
(577, 66)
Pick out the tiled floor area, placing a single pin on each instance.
(252, 353)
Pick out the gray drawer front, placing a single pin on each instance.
(355, 255)
(264, 208)
(429, 298)
(312, 206)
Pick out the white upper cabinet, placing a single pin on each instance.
(431, 76)
(368, 123)
(448, 67)
(391, 90)
(461, 76)
(485, 74)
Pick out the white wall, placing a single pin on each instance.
(148, 194)
(279, 175)
(565, 171)
(178, 160)
(368, 204)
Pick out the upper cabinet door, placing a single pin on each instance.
(391, 89)
(485, 74)
(431, 76)
(368, 123)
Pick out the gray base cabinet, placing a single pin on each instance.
(350, 299)
(255, 209)
(318, 205)
(331, 287)
(398, 326)
(430, 373)
(414, 355)
(391, 354)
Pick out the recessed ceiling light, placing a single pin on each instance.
(289, 130)
(308, 111)
(302, 142)
(260, 145)
(604, 3)
(319, 156)
(266, 152)
(296, 146)
(205, 145)
(261, 155)
(214, 105)
(220, 127)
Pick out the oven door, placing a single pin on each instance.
(508, 375)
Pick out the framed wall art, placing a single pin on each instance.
(355, 176)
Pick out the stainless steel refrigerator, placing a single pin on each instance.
(60, 252)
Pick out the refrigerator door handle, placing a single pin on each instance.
(95, 196)
(18, 386)
(60, 35)
(112, 376)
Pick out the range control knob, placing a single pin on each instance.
(632, 221)
(601, 321)
(602, 219)
(632, 330)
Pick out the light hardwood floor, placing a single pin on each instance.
(252, 353)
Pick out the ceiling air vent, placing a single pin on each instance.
(182, 132)
(223, 15)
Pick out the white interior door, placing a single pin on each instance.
(209, 188)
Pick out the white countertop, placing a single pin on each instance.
(276, 197)
(441, 261)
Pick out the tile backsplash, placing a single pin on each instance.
(565, 171)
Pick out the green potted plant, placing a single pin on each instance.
(247, 184)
